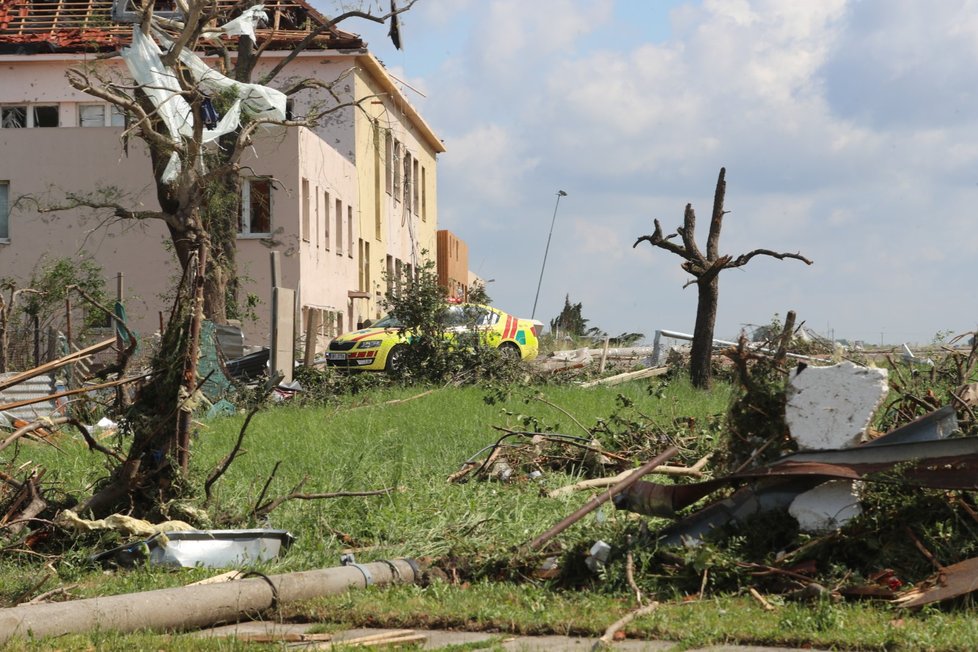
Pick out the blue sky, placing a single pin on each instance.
(849, 130)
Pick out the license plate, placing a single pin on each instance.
(336, 356)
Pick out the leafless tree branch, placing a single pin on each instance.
(330, 24)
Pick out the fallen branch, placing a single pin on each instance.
(43, 597)
(694, 471)
(570, 416)
(609, 634)
(597, 501)
(630, 571)
(754, 593)
(570, 440)
(398, 637)
(395, 401)
(225, 464)
(265, 509)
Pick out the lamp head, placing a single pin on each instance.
(561, 193)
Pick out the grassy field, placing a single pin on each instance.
(410, 443)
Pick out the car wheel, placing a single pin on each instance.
(509, 351)
(395, 358)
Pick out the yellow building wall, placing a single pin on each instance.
(399, 236)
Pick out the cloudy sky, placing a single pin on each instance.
(849, 131)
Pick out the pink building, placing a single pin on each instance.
(341, 202)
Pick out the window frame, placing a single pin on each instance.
(82, 106)
(4, 211)
(30, 115)
(245, 218)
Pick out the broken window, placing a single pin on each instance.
(12, 117)
(91, 115)
(34, 115)
(45, 116)
(4, 210)
(255, 216)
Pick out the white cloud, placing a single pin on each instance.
(487, 164)
(849, 129)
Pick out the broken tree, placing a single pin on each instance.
(705, 270)
(197, 122)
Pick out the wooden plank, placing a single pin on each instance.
(626, 377)
(55, 364)
(70, 392)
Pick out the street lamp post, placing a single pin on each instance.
(560, 193)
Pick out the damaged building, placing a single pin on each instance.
(346, 203)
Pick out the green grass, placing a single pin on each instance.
(361, 443)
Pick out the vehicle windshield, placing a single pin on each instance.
(388, 321)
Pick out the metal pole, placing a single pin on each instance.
(560, 193)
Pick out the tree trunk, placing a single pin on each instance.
(701, 355)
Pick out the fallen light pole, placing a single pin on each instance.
(192, 607)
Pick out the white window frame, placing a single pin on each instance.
(82, 106)
(245, 231)
(29, 111)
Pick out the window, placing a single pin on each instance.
(317, 228)
(306, 216)
(414, 187)
(34, 115)
(424, 194)
(407, 182)
(397, 170)
(389, 162)
(12, 117)
(117, 117)
(91, 115)
(45, 116)
(255, 216)
(390, 272)
(326, 219)
(94, 115)
(364, 267)
(339, 227)
(4, 210)
(349, 231)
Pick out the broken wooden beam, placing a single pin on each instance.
(55, 364)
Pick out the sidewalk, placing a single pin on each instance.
(440, 639)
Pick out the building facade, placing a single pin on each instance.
(344, 203)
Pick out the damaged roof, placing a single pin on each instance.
(76, 26)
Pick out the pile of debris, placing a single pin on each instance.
(805, 489)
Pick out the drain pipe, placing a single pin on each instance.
(193, 607)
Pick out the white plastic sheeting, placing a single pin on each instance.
(162, 87)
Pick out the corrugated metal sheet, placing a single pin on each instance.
(34, 388)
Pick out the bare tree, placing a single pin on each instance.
(705, 270)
